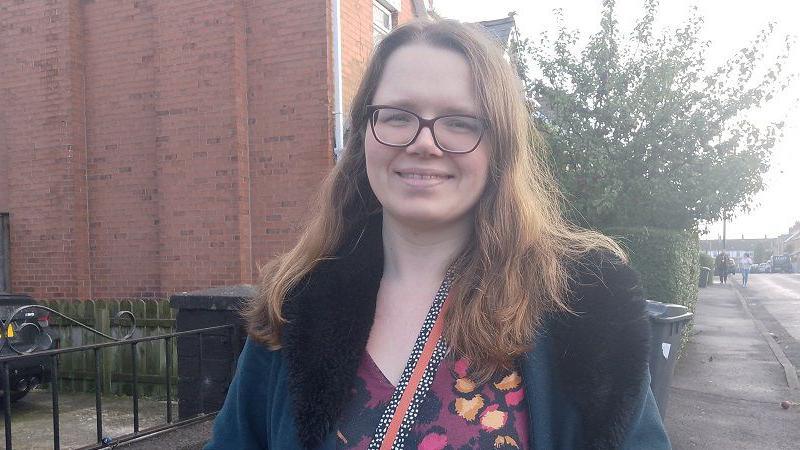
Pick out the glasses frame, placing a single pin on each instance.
(372, 110)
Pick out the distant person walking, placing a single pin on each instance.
(745, 264)
(721, 265)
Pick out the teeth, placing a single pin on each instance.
(415, 176)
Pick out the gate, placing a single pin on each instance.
(38, 339)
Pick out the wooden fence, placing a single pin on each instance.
(77, 370)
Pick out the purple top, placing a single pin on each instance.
(455, 414)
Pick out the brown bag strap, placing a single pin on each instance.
(413, 382)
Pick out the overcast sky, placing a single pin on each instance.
(729, 25)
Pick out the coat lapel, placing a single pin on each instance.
(599, 357)
(601, 354)
(330, 315)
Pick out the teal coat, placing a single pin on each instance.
(586, 378)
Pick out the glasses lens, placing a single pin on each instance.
(458, 133)
(394, 126)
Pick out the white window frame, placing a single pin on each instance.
(379, 30)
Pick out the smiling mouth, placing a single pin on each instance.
(416, 180)
(417, 176)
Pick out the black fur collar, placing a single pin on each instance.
(600, 355)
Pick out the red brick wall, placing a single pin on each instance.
(154, 146)
(356, 17)
(41, 92)
(407, 12)
(357, 42)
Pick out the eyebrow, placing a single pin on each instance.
(406, 104)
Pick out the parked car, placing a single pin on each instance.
(28, 331)
(781, 264)
(764, 267)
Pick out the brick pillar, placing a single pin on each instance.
(76, 194)
(42, 96)
(123, 195)
(201, 144)
(290, 109)
(242, 142)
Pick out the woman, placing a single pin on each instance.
(745, 264)
(721, 263)
(441, 219)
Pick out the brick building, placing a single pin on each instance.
(155, 146)
(790, 246)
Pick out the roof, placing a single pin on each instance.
(793, 237)
(499, 29)
(744, 245)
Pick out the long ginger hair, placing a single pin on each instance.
(514, 271)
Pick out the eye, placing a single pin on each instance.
(394, 118)
(461, 124)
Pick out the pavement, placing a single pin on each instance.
(32, 423)
(728, 387)
(32, 419)
(189, 437)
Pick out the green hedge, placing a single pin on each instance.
(668, 262)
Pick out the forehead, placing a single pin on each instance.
(427, 79)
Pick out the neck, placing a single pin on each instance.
(421, 253)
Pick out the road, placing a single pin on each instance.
(774, 299)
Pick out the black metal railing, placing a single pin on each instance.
(54, 354)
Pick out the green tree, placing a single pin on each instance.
(640, 132)
(762, 253)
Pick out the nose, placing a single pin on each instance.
(424, 144)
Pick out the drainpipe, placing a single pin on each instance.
(338, 118)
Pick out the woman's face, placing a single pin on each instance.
(419, 184)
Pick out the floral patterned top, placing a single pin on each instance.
(455, 414)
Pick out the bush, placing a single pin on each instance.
(706, 260)
(667, 261)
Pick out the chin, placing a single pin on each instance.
(420, 218)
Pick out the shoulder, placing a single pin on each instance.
(601, 350)
(244, 420)
(258, 360)
(609, 316)
(258, 363)
(605, 288)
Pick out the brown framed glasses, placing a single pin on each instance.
(452, 133)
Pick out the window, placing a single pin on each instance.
(5, 253)
(381, 21)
